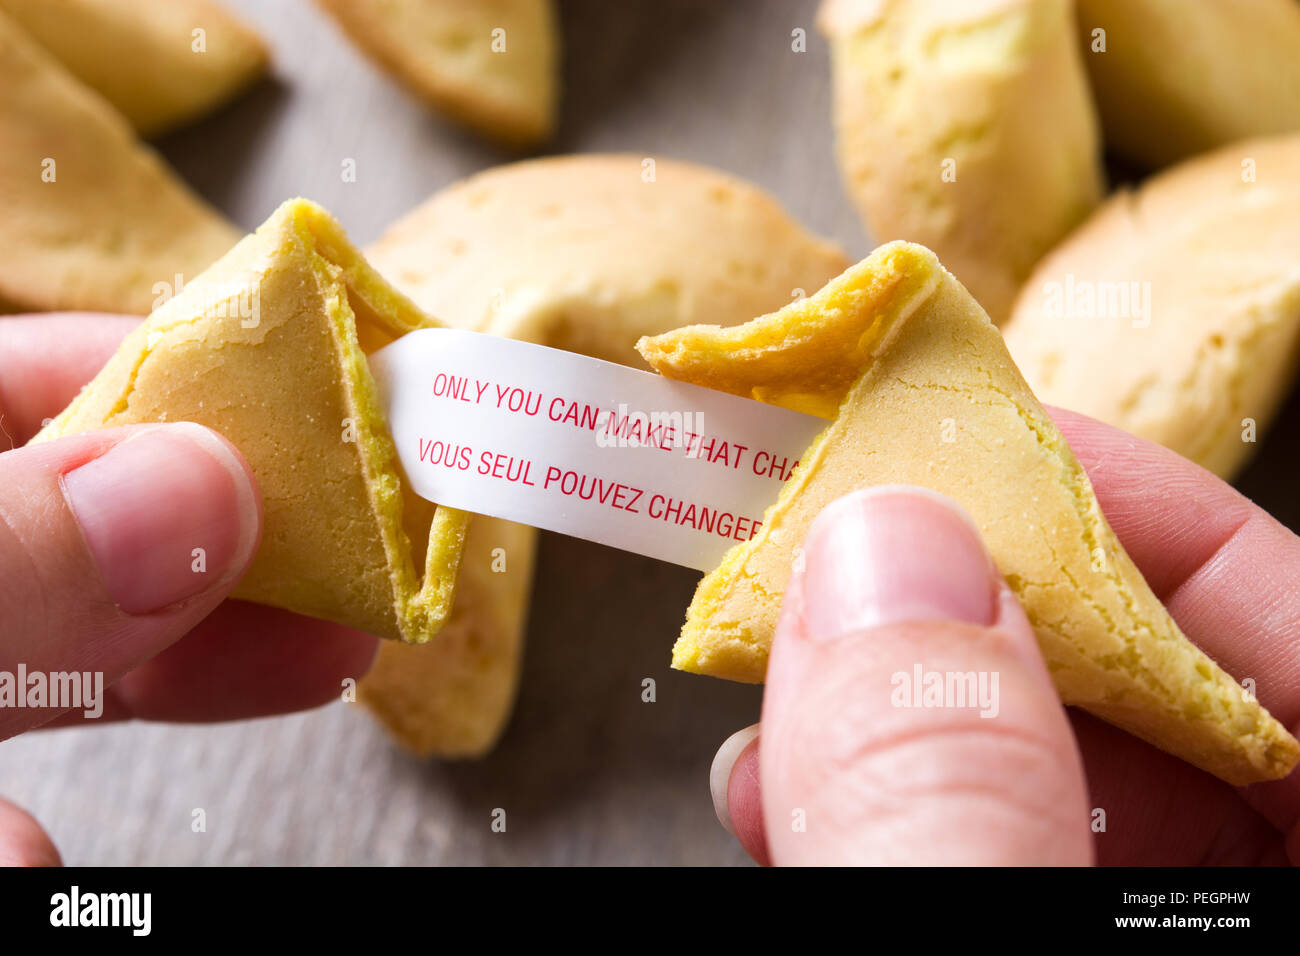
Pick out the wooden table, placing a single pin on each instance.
(587, 772)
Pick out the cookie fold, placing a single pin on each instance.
(491, 65)
(921, 390)
(92, 219)
(269, 348)
(579, 253)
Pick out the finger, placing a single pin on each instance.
(114, 544)
(733, 781)
(1151, 809)
(22, 841)
(1147, 808)
(1225, 569)
(46, 359)
(241, 661)
(860, 762)
(246, 660)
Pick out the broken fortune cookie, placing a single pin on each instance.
(268, 347)
(572, 252)
(900, 356)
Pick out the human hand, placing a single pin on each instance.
(99, 572)
(897, 577)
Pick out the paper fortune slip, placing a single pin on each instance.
(585, 447)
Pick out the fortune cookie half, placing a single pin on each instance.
(579, 253)
(920, 390)
(269, 348)
(965, 126)
(1174, 311)
(92, 218)
(488, 64)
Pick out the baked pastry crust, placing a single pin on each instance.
(901, 359)
(583, 253)
(269, 348)
(580, 253)
(967, 127)
(1179, 78)
(92, 219)
(1205, 256)
(139, 54)
(443, 51)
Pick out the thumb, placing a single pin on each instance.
(908, 717)
(113, 545)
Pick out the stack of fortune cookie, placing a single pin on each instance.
(710, 281)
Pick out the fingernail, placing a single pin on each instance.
(166, 514)
(720, 773)
(894, 553)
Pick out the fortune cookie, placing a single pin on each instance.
(92, 219)
(161, 63)
(269, 348)
(579, 253)
(488, 64)
(966, 127)
(920, 389)
(1174, 311)
(584, 253)
(1173, 78)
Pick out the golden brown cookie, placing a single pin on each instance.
(587, 253)
(161, 63)
(491, 65)
(92, 219)
(920, 390)
(1174, 311)
(269, 348)
(453, 697)
(1173, 78)
(966, 127)
(581, 253)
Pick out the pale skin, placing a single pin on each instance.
(200, 657)
(883, 787)
(891, 785)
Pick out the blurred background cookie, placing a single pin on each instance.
(491, 65)
(1174, 311)
(93, 219)
(161, 63)
(966, 127)
(1177, 77)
